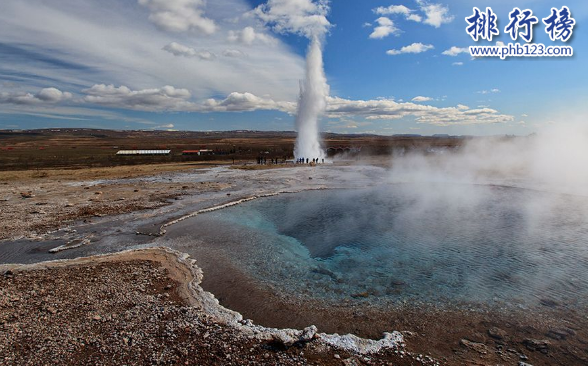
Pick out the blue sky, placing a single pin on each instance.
(226, 65)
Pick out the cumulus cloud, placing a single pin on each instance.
(180, 50)
(399, 9)
(303, 17)
(413, 48)
(179, 15)
(435, 14)
(393, 9)
(241, 102)
(44, 96)
(52, 95)
(167, 98)
(387, 109)
(415, 18)
(454, 51)
(428, 13)
(384, 29)
(249, 35)
(421, 99)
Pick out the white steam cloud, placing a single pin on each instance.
(553, 161)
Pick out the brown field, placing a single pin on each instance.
(76, 148)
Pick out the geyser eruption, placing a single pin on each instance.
(307, 18)
(312, 104)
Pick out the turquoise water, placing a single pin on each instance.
(436, 244)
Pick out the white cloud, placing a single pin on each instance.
(491, 91)
(168, 126)
(415, 18)
(454, 51)
(249, 35)
(44, 96)
(462, 107)
(384, 29)
(206, 55)
(413, 48)
(387, 109)
(457, 63)
(233, 53)
(52, 95)
(399, 9)
(180, 50)
(421, 99)
(179, 15)
(167, 98)
(392, 9)
(303, 17)
(240, 102)
(435, 14)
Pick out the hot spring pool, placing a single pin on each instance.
(435, 244)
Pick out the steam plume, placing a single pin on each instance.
(309, 19)
(312, 104)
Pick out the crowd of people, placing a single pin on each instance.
(307, 161)
(263, 161)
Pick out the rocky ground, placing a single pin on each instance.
(38, 201)
(131, 310)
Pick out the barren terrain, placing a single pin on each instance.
(38, 201)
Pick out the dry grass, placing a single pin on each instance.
(103, 173)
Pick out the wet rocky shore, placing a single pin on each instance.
(145, 307)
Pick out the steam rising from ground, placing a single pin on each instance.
(549, 167)
(312, 104)
(555, 160)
